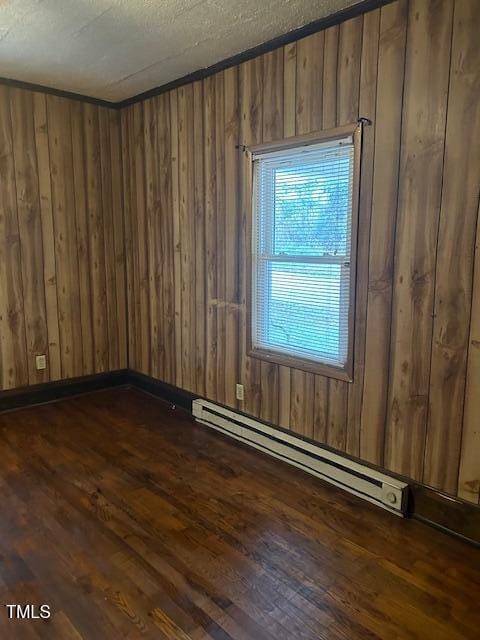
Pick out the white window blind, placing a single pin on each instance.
(302, 225)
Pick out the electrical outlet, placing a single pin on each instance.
(239, 391)
(41, 362)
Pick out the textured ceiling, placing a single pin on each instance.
(113, 49)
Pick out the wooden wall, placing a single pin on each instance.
(412, 68)
(62, 276)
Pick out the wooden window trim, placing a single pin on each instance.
(339, 373)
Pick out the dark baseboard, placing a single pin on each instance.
(169, 393)
(51, 391)
(447, 513)
(444, 512)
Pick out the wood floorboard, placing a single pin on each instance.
(131, 521)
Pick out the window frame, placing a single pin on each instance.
(344, 373)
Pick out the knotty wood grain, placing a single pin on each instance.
(420, 184)
(455, 254)
(29, 229)
(45, 193)
(232, 234)
(210, 237)
(14, 365)
(66, 248)
(96, 239)
(367, 107)
(187, 234)
(388, 114)
(200, 257)
(469, 474)
(62, 239)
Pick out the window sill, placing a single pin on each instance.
(310, 366)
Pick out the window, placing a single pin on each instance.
(303, 252)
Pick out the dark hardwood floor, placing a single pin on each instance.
(131, 521)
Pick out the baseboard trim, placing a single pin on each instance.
(171, 394)
(59, 389)
(447, 513)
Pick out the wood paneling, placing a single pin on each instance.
(388, 118)
(455, 254)
(161, 191)
(14, 367)
(62, 281)
(29, 229)
(412, 68)
(420, 186)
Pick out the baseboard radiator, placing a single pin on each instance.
(369, 484)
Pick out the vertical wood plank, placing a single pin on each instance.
(367, 105)
(350, 38)
(220, 233)
(177, 259)
(251, 130)
(309, 94)
(421, 161)
(129, 235)
(81, 220)
(199, 216)
(45, 193)
(96, 237)
(140, 221)
(320, 409)
(455, 252)
(119, 235)
(337, 414)
(469, 473)
(151, 154)
(388, 118)
(166, 227)
(210, 236)
(289, 89)
(135, 356)
(273, 96)
(66, 245)
(13, 360)
(30, 231)
(330, 64)
(133, 309)
(302, 409)
(187, 232)
(269, 405)
(106, 162)
(232, 235)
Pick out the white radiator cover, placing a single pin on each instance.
(369, 484)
